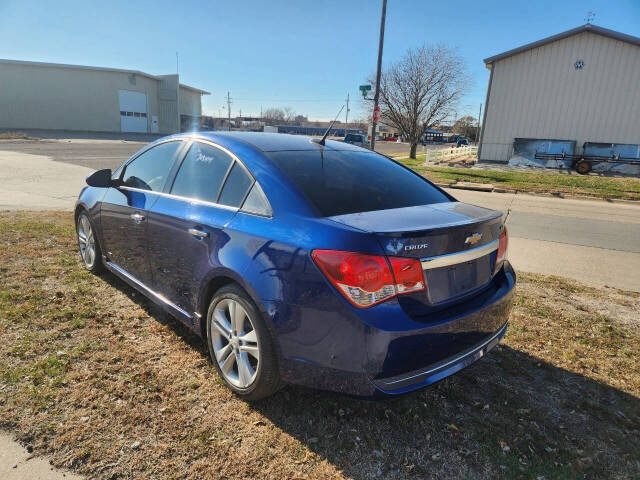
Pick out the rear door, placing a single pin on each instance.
(124, 210)
(186, 226)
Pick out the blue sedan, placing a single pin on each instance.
(325, 265)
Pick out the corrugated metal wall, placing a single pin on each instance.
(540, 94)
(168, 103)
(44, 96)
(190, 102)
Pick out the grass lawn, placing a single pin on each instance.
(89, 367)
(591, 185)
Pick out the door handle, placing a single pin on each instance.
(137, 217)
(198, 233)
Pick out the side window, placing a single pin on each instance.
(150, 170)
(236, 187)
(256, 202)
(201, 173)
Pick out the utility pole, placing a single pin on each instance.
(346, 120)
(478, 129)
(177, 63)
(229, 109)
(378, 72)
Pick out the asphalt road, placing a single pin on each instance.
(93, 153)
(595, 242)
(104, 153)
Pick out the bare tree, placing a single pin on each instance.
(289, 115)
(466, 126)
(421, 90)
(273, 116)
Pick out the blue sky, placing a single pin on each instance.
(304, 54)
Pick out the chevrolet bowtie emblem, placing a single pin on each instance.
(473, 238)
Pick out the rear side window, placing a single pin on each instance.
(149, 171)
(236, 187)
(343, 182)
(201, 173)
(256, 202)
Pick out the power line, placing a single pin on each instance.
(288, 99)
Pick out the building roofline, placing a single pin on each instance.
(87, 67)
(574, 31)
(201, 92)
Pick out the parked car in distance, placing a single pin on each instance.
(462, 142)
(357, 139)
(329, 266)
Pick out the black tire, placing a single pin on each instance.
(583, 167)
(267, 377)
(96, 265)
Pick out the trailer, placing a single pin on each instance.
(595, 153)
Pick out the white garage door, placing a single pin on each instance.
(133, 111)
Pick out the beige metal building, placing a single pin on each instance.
(35, 95)
(582, 85)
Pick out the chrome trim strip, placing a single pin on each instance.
(458, 257)
(161, 298)
(179, 197)
(448, 363)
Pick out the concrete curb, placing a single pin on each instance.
(568, 196)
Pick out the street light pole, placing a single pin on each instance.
(378, 72)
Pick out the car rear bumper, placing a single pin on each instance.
(358, 354)
(426, 376)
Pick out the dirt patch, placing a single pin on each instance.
(99, 378)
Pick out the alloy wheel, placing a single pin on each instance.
(235, 343)
(87, 242)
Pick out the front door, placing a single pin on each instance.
(124, 211)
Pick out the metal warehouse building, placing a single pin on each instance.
(51, 96)
(580, 86)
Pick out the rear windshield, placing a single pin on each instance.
(342, 182)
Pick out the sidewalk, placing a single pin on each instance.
(16, 463)
(35, 182)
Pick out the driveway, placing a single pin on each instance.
(595, 242)
(395, 149)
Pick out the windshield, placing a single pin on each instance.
(342, 182)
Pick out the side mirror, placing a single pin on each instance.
(101, 179)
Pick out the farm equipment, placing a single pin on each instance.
(584, 163)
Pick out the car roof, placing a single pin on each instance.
(270, 142)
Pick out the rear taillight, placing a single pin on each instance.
(503, 244)
(407, 273)
(366, 280)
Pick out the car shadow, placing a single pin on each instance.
(156, 312)
(509, 415)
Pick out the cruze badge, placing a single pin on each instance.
(416, 246)
(473, 238)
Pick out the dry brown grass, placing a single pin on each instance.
(16, 135)
(88, 367)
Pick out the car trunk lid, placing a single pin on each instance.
(456, 243)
